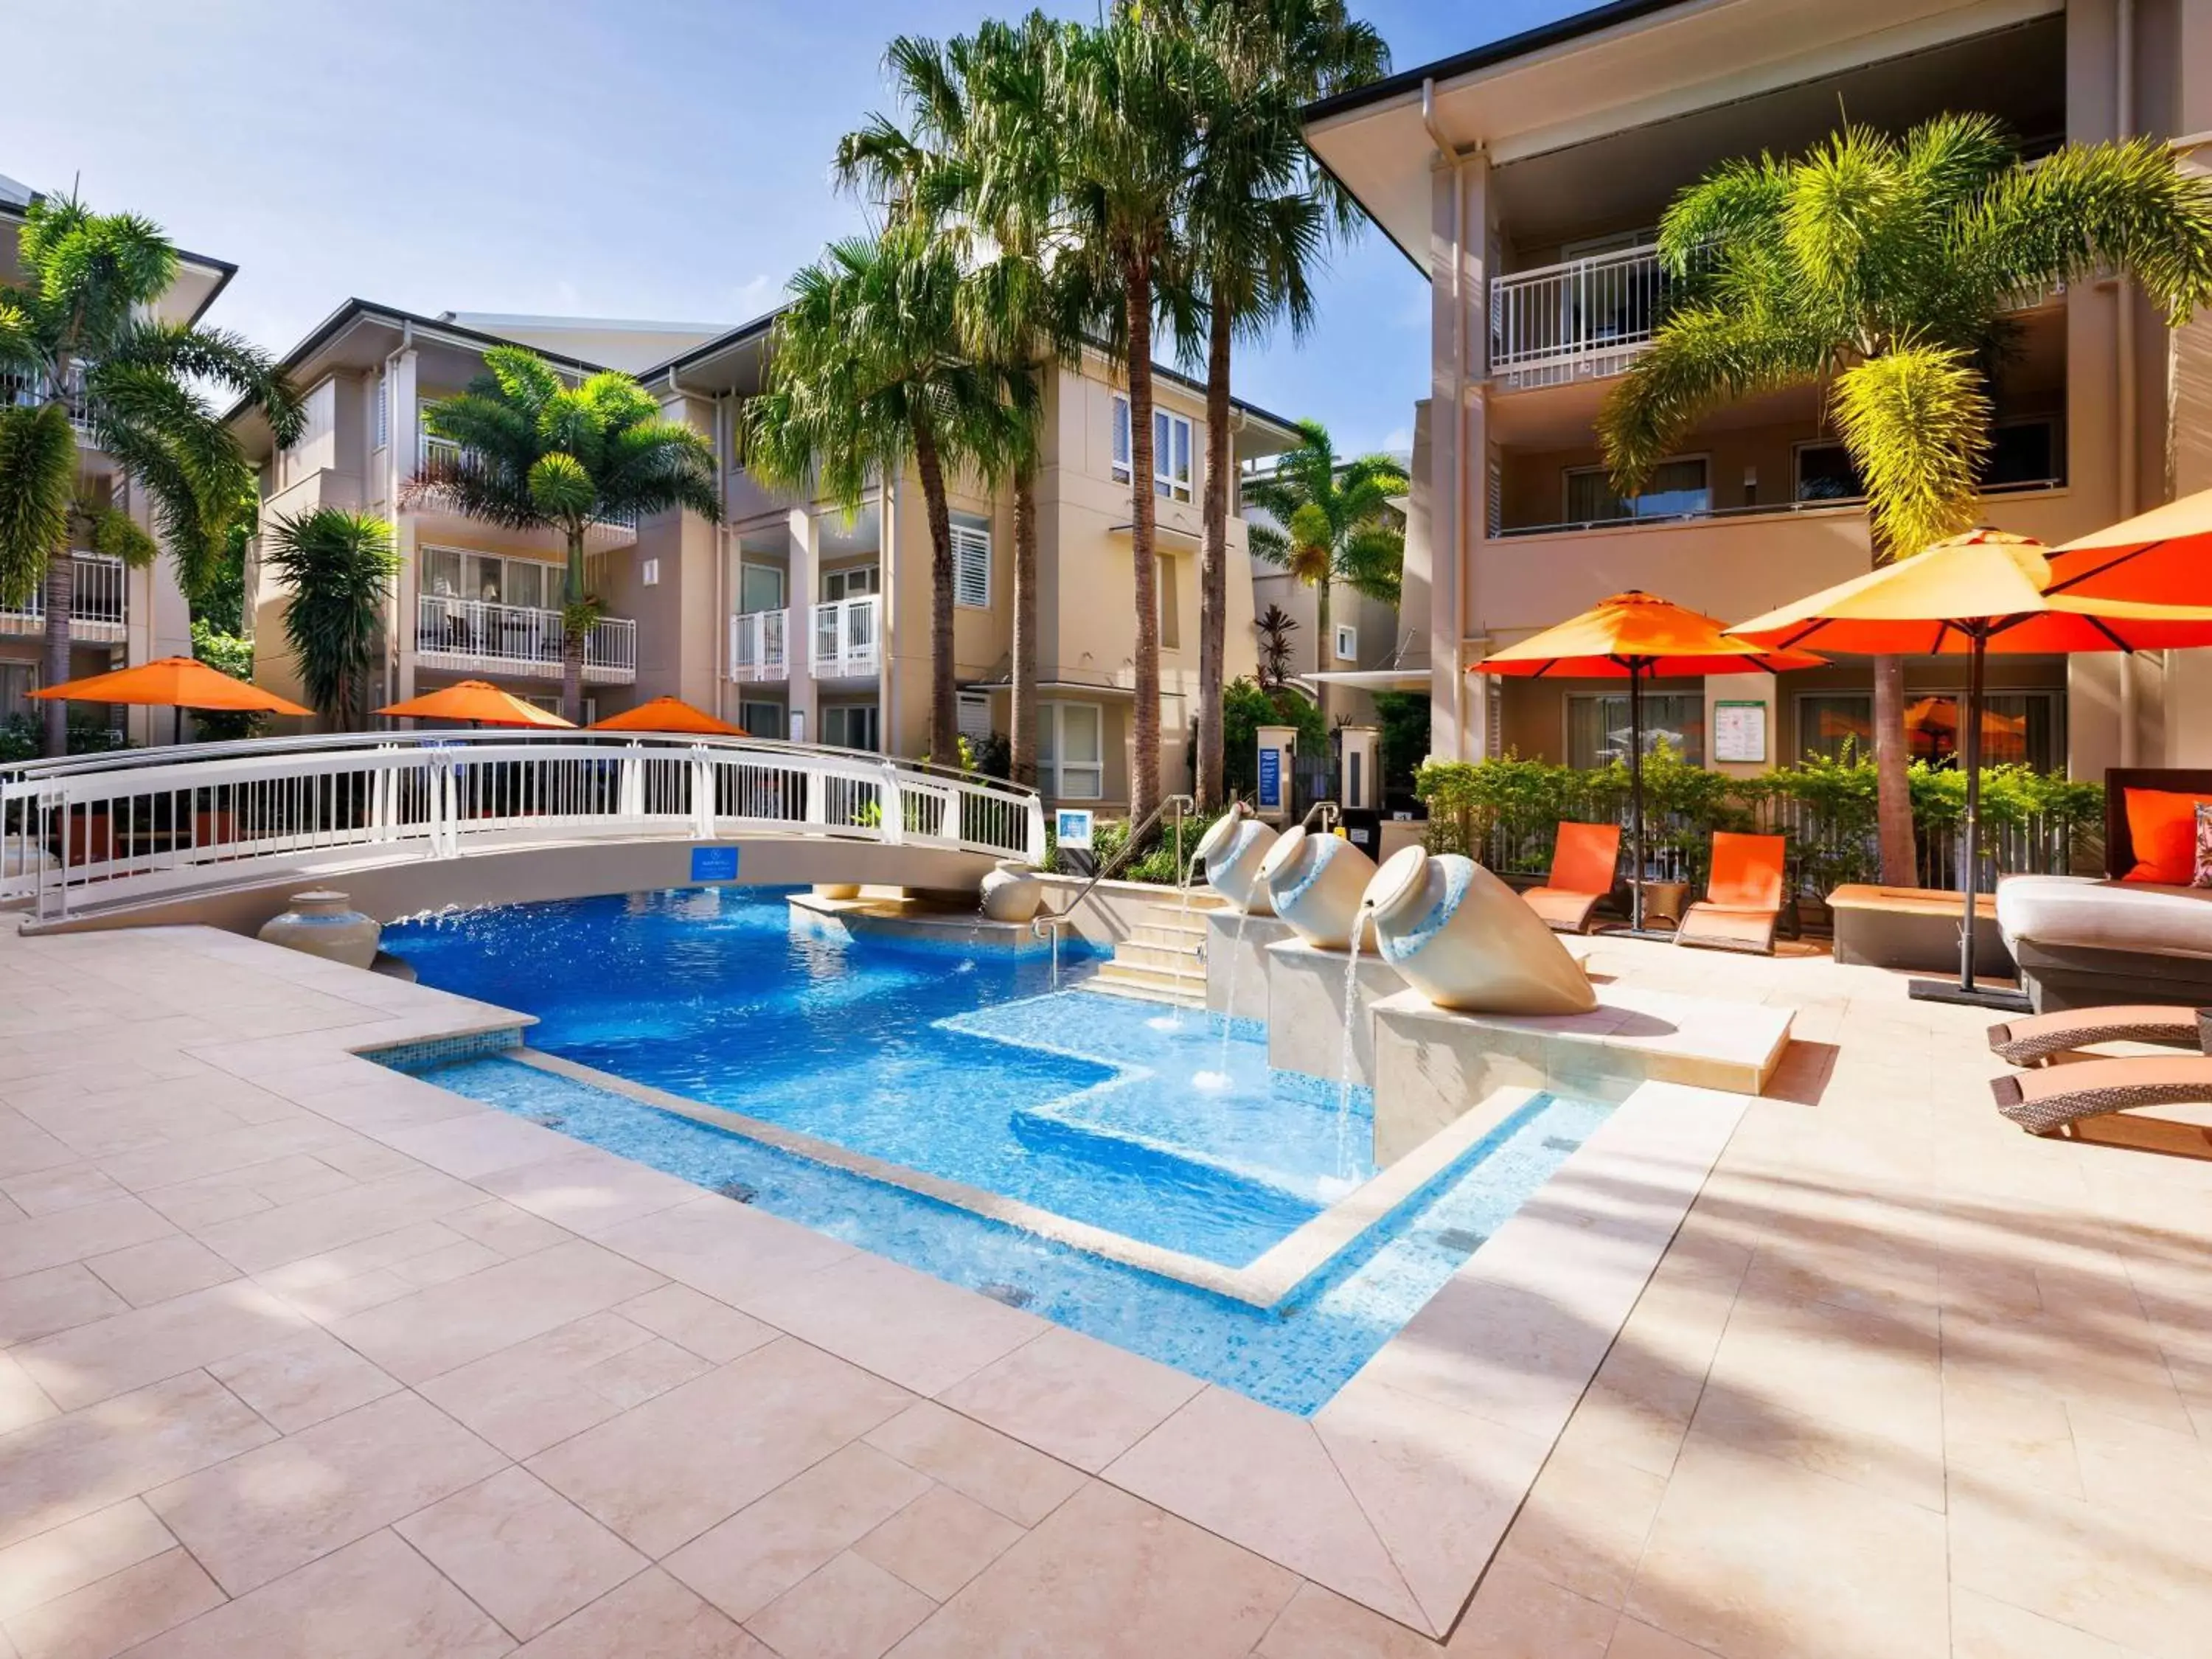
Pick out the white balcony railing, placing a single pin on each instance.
(760, 646)
(28, 391)
(847, 638)
(442, 448)
(100, 603)
(517, 638)
(1583, 320)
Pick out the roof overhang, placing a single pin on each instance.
(199, 278)
(1373, 679)
(1630, 64)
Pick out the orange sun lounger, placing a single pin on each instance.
(1582, 864)
(1742, 904)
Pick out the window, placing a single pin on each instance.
(971, 561)
(1348, 643)
(1071, 750)
(1163, 586)
(648, 573)
(2022, 454)
(760, 587)
(1598, 726)
(761, 719)
(550, 701)
(17, 681)
(450, 573)
(849, 725)
(1677, 489)
(1826, 472)
(1834, 724)
(855, 581)
(2020, 728)
(383, 410)
(974, 715)
(1171, 451)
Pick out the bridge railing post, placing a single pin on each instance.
(702, 793)
(630, 797)
(893, 812)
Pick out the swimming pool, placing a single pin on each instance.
(962, 1064)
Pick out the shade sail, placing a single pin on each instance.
(173, 683)
(1636, 633)
(477, 701)
(668, 715)
(2163, 556)
(1985, 585)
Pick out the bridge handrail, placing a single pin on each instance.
(101, 829)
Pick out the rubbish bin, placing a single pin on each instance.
(1363, 828)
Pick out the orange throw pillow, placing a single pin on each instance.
(2162, 828)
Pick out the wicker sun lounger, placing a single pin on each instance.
(2095, 1101)
(2037, 1039)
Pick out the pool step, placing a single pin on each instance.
(1123, 979)
(1163, 958)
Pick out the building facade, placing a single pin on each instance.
(120, 617)
(1526, 180)
(792, 618)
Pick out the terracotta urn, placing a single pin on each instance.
(1233, 849)
(1011, 892)
(324, 924)
(1467, 941)
(837, 889)
(1315, 884)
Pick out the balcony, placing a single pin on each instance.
(760, 646)
(516, 640)
(100, 605)
(1583, 320)
(848, 639)
(27, 391)
(611, 530)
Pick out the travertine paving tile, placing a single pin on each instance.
(303, 1380)
(1109, 1576)
(1319, 1624)
(66, 1467)
(1582, 1526)
(765, 1548)
(533, 1394)
(1082, 1400)
(269, 1238)
(428, 1332)
(126, 1350)
(478, 1144)
(42, 1242)
(523, 1553)
(1517, 1615)
(78, 1553)
(588, 1191)
(117, 1612)
(159, 1269)
(662, 1473)
(1983, 1629)
(37, 1304)
(21, 1400)
(255, 1518)
(652, 1613)
(372, 1600)
(47, 1192)
(707, 1328)
(939, 1541)
(729, 1251)
(1019, 1482)
(848, 1609)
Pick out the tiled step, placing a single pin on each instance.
(1167, 959)
(1152, 984)
(1168, 938)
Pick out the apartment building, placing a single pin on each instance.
(1525, 179)
(792, 618)
(119, 616)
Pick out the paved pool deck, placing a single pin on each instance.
(300, 1357)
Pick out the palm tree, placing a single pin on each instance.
(537, 453)
(867, 369)
(1130, 100)
(1259, 213)
(1334, 524)
(978, 168)
(1883, 269)
(338, 566)
(78, 353)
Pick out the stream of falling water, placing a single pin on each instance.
(1344, 1067)
(1229, 1004)
(1190, 868)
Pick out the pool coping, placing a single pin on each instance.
(1264, 1283)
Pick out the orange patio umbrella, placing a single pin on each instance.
(1636, 636)
(2163, 556)
(1978, 593)
(480, 703)
(668, 715)
(179, 683)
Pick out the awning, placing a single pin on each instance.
(1371, 679)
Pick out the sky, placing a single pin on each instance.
(662, 158)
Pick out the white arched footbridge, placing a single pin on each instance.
(406, 821)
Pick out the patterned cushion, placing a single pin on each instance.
(2203, 876)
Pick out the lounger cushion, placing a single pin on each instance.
(2083, 913)
(1735, 927)
(2162, 829)
(1562, 910)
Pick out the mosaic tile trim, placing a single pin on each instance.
(1319, 1091)
(444, 1051)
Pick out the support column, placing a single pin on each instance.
(1447, 555)
(403, 450)
(804, 717)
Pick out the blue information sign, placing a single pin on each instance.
(1271, 779)
(714, 864)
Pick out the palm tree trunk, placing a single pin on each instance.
(61, 594)
(1893, 790)
(1213, 562)
(572, 636)
(943, 695)
(1024, 717)
(1324, 642)
(1137, 303)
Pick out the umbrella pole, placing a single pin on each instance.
(1636, 794)
(1970, 832)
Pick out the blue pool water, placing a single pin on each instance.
(963, 1066)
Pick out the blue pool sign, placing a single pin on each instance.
(1072, 828)
(714, 864)
(1271, 779)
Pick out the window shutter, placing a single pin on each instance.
(975, 717)
(971, 566)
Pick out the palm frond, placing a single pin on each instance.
(1916, 420)
(1700, 360)
(37, 478)
(338, 567)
